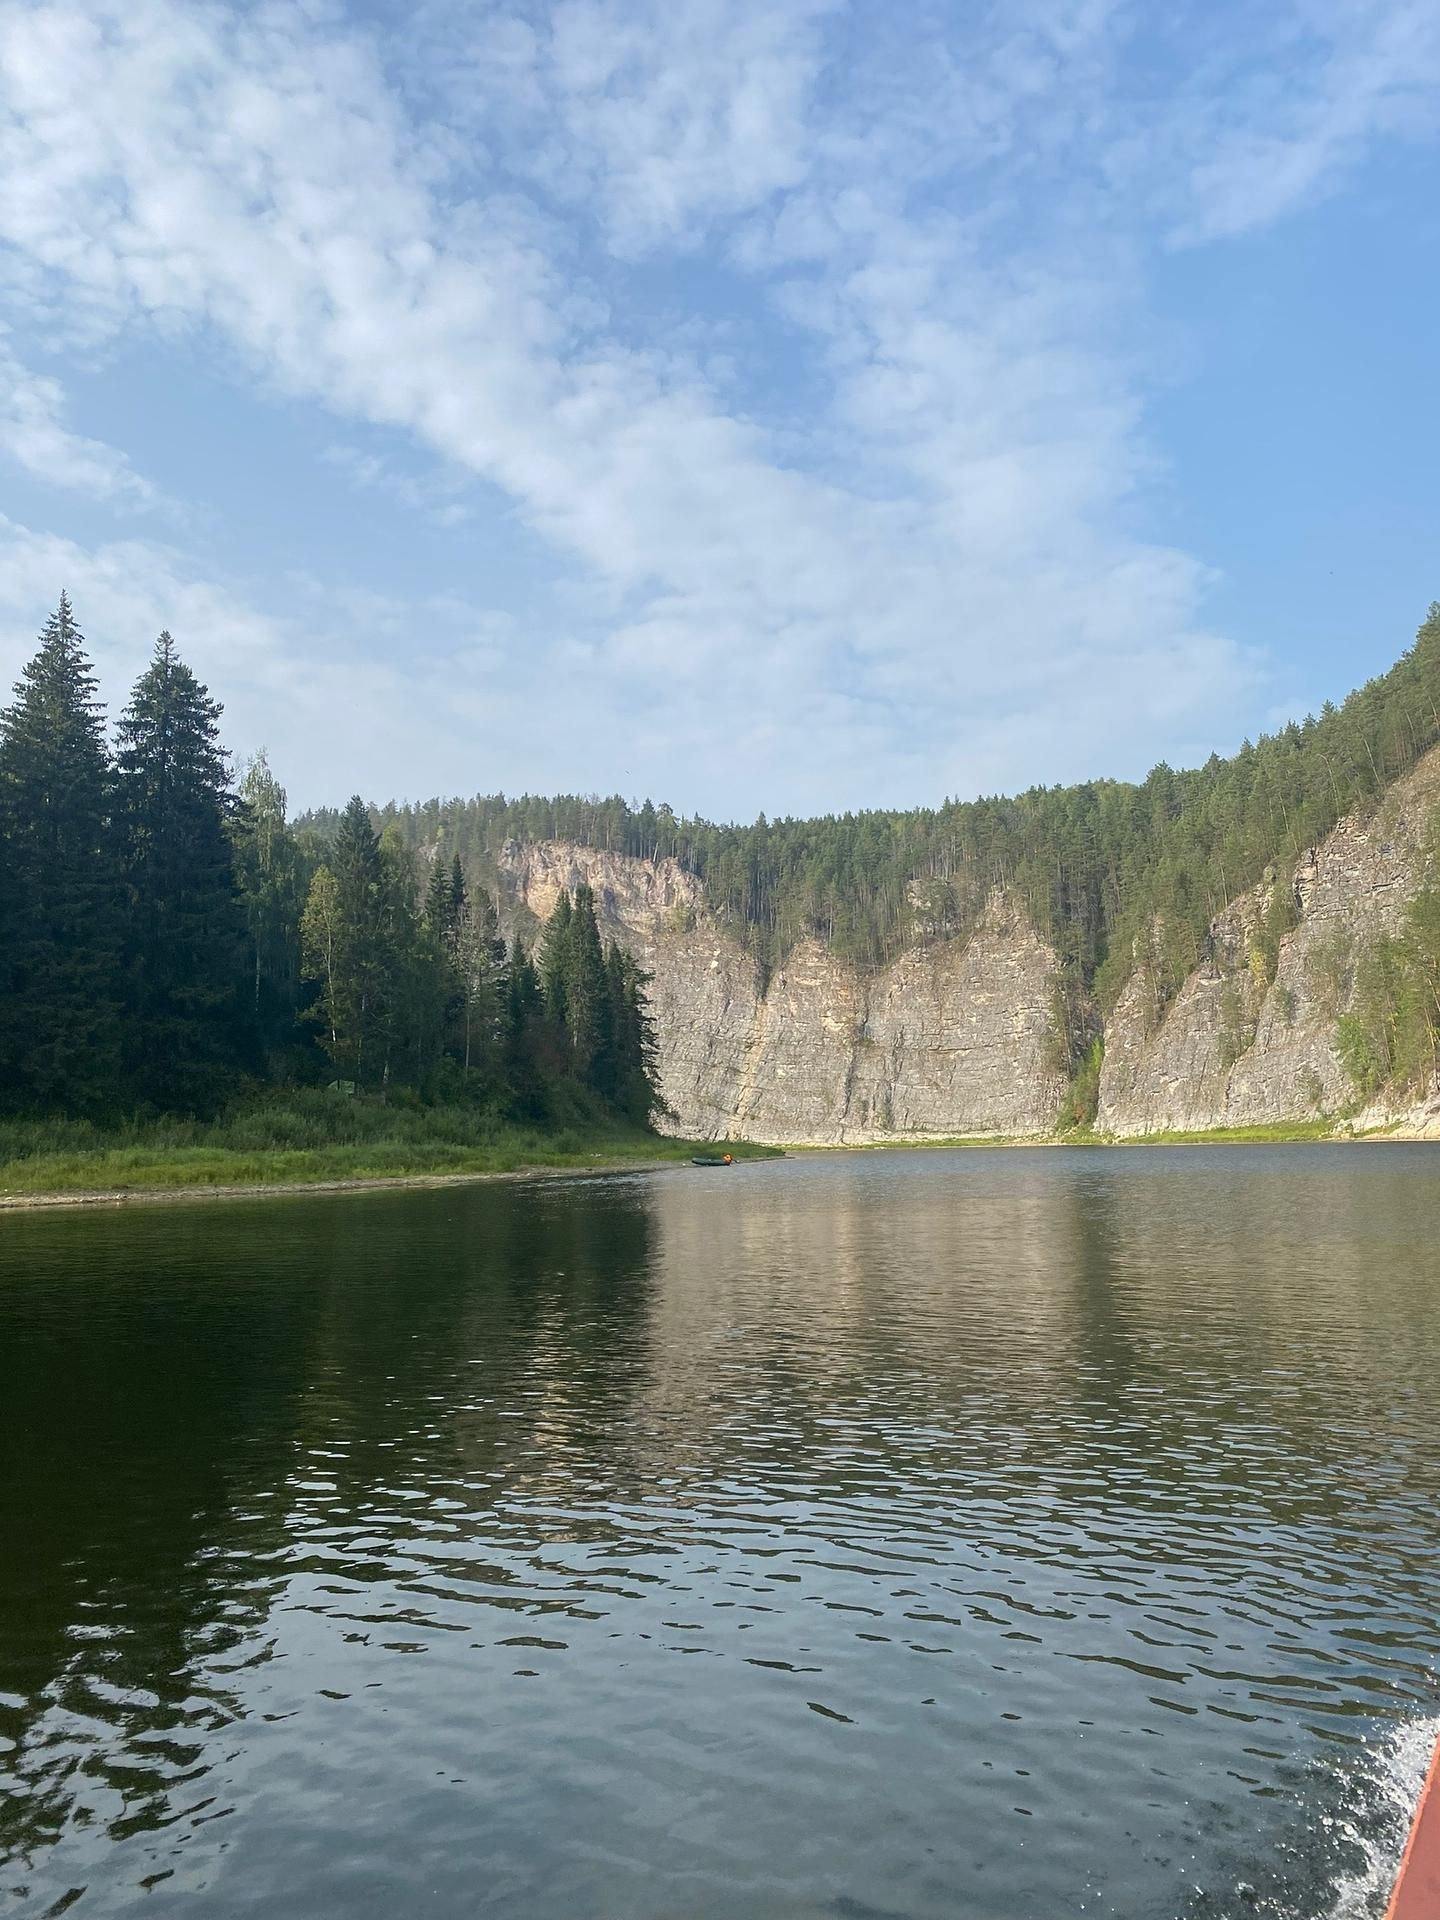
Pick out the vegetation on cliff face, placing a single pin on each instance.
(1113, 873)
(1390, 1038)
(169, 944)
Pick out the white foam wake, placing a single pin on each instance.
(1393, 1784)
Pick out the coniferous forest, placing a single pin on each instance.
(170, 940)
(1114, 873)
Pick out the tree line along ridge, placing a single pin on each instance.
(165, 931)
(169, 939)
(1115, 874)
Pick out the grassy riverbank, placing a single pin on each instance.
(1281, 1133)
(311, 1139)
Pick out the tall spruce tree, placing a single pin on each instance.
(188, 1026)
(414, 973)
(555, 960)
(441, 924)
(442, 905)
(468, 929)
(267, 870)
(587, 1010)
(524, 1039)
(322, 956)
(344, 932)
(627, 1073)
(59, 1011)
(480, 954)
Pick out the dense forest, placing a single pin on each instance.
(1113, 872)
(166, 934)
(169, 940)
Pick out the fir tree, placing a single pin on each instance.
(524, 1036)
(59, 1013)
(459, 897)
(345, 934)
(412, 971)
(442, 920)
(629, 1067)
(587, 1009)
(267, 871)
(555, 962)
(321, 949)
(478, 958)
(184, 936)
(358, 882)
(440, 904)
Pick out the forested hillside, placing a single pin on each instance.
(1106, 870)
(168, 940)
(167, 936)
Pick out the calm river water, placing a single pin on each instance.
(1015, 1533)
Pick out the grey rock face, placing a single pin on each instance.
(954, 1038)
(1188, 1072)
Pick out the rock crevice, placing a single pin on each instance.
(953, 1038)
(956, 1036)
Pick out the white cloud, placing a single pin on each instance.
(333, 717)
(34, 438)
(936, 584)
(434, 495)
(660, 119)
(1275, 116)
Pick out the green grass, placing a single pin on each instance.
(1277, 1133)
(312, 1138)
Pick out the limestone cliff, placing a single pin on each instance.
(953, 1038)
(1234, 1051)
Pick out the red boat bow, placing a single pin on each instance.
(1417, 1887)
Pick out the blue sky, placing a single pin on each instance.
(753, 405)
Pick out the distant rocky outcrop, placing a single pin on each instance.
(1236, 1050)
(956, 1036)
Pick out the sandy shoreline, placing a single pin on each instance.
(13, 1202)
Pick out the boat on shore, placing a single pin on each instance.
(1417, 1885)
(712, 1160)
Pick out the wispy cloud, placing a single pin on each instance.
(935, 580)
(35, 438)
(432, 494)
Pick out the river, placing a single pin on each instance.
(929, 1534)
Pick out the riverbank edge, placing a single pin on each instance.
(19, 1200)
(1282, 1134)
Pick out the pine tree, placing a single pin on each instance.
(350, 1005)
(477, 958)
(459, 897)
(59, 1015)
(187, 1024)
(525, 1078)
(442, 921)
(628, 1070)
(321, 951)
(267, 871)
(440, 906)
(481, 961)
(413, 971)
(556, 960)
(587, 1009)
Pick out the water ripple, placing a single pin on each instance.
(907, 1536)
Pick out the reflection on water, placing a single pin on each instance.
(998, 1533)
